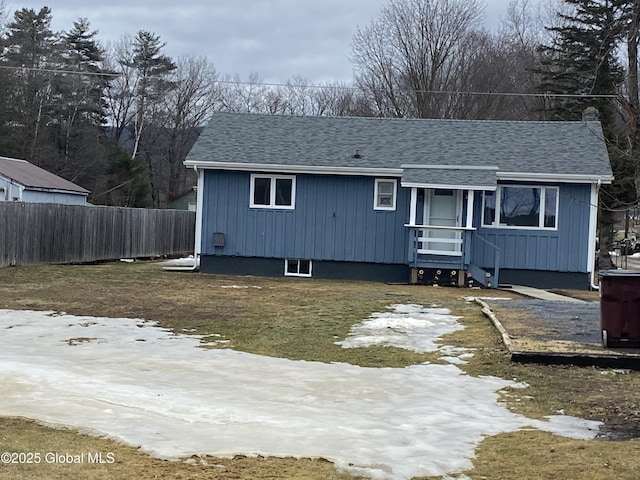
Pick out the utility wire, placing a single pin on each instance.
(330, 87)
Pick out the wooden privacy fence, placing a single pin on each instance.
(32, 233)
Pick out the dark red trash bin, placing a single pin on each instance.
(620, 308)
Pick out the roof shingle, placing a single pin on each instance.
(513, 146)
(31, 176)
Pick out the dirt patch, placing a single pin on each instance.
(80, 340)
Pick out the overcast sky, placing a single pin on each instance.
(278, 39)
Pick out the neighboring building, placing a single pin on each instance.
(186, 201)
(397, 200)
(22, 181)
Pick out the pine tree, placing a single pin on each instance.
(583, 60)
(152, 68)
(79, 107)
(30, 48)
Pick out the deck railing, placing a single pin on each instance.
(453, 244)
(437, 240)
(497, 253)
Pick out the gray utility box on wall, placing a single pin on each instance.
(218, 239)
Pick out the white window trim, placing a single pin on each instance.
(272, 200)
(543, 193)
(395, 193)
(288, 274)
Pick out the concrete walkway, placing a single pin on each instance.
(540, 294)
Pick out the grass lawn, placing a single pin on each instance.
(301, 319)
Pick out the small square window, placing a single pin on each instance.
(385, 194)
(297, 268)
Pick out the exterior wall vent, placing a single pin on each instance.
(218, 239)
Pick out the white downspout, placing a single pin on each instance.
(198, 234)
(593, 219)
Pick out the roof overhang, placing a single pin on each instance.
(450, 177)
(57, 190)
(281, 168)
(32, 188)
(473, 177)
(554, 177)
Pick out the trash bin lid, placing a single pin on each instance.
(618, 273)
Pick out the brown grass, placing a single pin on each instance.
(301, 319)
(22, 435)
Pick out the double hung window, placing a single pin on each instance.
(385, 193)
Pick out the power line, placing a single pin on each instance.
(61, 71)
(331, 87)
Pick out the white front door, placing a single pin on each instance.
(443, 209)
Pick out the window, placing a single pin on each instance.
(297, 268)
(521, 207)
(385, 194)
(269, 191)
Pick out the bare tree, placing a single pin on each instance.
(119, 94)
(4, 18)
(247, 96)
(415, 48)
(183, 112)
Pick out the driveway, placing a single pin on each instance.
(143, 385)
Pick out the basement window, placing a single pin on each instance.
(297, 268)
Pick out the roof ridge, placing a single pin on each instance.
(401, 119)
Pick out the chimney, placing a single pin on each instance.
(590, 114)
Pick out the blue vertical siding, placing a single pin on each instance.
(564, 250)
(333, 219)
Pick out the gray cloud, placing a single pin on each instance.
(277, 39)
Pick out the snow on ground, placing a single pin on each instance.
(412, 327)
(143, 385)
(181, 262)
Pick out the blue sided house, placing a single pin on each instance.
(400, 200)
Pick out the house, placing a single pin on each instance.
(184, 201)
(24, 182)
(397, 200)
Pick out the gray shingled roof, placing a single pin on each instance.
(523, 147)
(31, 176)
(453, 176)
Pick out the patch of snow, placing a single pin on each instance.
(409, 326)
(181, 262)
(241, 286)
(177, 400)
(493, 298)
